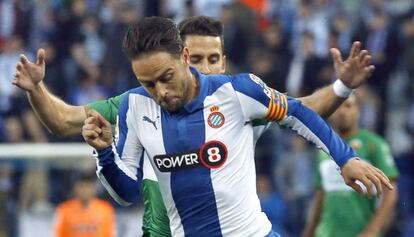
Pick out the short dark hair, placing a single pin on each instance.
(201, 25)
(152, 34)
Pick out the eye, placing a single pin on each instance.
(213, 60)
(167, 77)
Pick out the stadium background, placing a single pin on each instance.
(285, 42)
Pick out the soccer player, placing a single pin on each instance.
(336, 209)
(203, 36)
(85, 215)
(196, 132)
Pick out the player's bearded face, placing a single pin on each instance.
(165, 77)
(346, 116)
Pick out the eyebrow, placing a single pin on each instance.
(158, 77)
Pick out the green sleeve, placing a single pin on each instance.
(381, 157)
(108, 108)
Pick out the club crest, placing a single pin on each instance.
(215, 119)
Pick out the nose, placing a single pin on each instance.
(161, 90)
(205, 69)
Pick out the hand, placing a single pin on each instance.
(356, 69)
(28, 75)
(96, 131)
(356, 169)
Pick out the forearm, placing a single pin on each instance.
(323, 101)
(326, 100)
(382, 217)
(121, 183)
(312, 127)
(57, 116)
(315, 211)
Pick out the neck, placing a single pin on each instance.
(194, 87)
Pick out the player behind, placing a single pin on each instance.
(197, 33)
(201, 145)
(85, 215)
(336, 209)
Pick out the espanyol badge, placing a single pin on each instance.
(215, 119)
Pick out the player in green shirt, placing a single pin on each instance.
(203, 36)
(337, 210)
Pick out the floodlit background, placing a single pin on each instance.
(285, 42)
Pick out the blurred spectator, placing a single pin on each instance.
(87, 90)
(294, 179)
(8, 205)
(85, 215)
(272, 204)
(34, 189)
(20, 121)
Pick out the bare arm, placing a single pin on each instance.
(315, 211)
(382, 217)
(323, 101)
(59, 117)
(352, 72)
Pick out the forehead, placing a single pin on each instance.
(152, 65)
(203, 44)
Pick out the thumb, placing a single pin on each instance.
(40, 57)
(336, 55)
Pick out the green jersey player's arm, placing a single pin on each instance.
(352, 72)
(64, 119)
(381, 157)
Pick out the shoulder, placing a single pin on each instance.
(67, 205)
(104, 205)
(373, 139)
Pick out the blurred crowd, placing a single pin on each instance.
(285, 42)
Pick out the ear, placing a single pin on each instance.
(186, 56)
(223, 64)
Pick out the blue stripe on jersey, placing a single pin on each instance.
(192, 188)
(125, 187)
(257, 90)
(340, 151)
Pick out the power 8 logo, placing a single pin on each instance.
(213, 154)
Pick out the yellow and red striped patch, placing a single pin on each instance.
(278, 107)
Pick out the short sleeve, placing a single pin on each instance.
(257, 100)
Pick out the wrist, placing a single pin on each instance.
(341, 90)
(37, 88)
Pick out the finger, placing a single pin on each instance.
(380, 171)
(356, 47)
(369, 70)
(90, 134)
(19, 66)
(336, 55)
(99, 118)
(16, 74)
(384, 179)
(366, 61)
(362, 54)
(356, 187)
(378, 186)
(24, 60)
(90, 120)
(92, 127)
(40, 57)
(368, 185)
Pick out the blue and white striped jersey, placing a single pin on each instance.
(203, 154)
